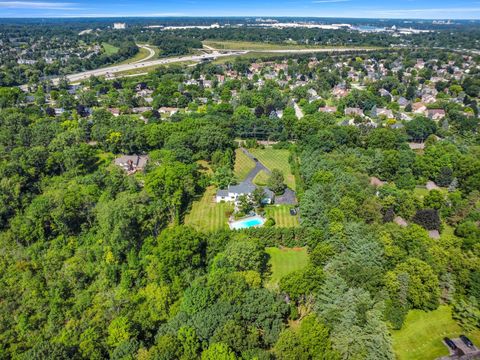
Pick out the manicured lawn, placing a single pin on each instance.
(276, 159)
(243, 165)
(206, 215)
(261, 179)
(284, 261)
(281, 215)
(110, 49)
(421, 335)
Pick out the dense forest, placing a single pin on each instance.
(98, 263)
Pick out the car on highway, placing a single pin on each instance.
(450, 343)
(466, 341)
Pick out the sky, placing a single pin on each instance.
(411, 9)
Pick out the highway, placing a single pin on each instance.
(144, 63)
(111, 70)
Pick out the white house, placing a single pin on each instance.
(235, 191)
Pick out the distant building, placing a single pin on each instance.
(436, 114)
(353, 112)
(132, 163)
(328, 109)
(119, 26)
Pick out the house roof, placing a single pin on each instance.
(138, 161)
(222, 193)
(242, 188)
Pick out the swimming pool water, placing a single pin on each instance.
(247, 223)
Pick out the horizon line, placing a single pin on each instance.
(104, 16)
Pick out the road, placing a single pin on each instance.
(287, 198)
(108, 71)
(111, 70)
(151, 53)
(298, 111)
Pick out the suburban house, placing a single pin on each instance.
(402, 102)
(168, 110)
(419, 108)
(328, 109)
(235, 191)
(132, 163)
(436, 114)
(383, 112)
(353, 112)
(114, 111)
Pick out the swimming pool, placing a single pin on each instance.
(247, 223)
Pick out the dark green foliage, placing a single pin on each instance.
(428, 218)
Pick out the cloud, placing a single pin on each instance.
(37, 5)
(409, 12)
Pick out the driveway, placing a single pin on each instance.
(258, 167)
(287, 198)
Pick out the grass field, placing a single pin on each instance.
(261, 179)
(147, 69)
(206, 215)
(281, 215)
(110, 49)
(284, 261)
(253, 45)
(421, 335)
(276, 159)
(257, 55)
(243, 165)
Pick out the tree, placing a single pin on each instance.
(420, 128)
(276, 182)
(179, 254)
(218, 351)
(172, 186)
(302, 283)
(467, 313)
(421, 284)
(244, 255)
(428, 218)
(434, 200)
(245, 204)
(118, 331)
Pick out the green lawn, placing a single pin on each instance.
(206, 215)
(281, 215)
(276, 159)
(110, 49)
(261, 179)
(421, 335)
(257, 45)
(243, 165)
(284, 261)
(251, 45)
(252, 55)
